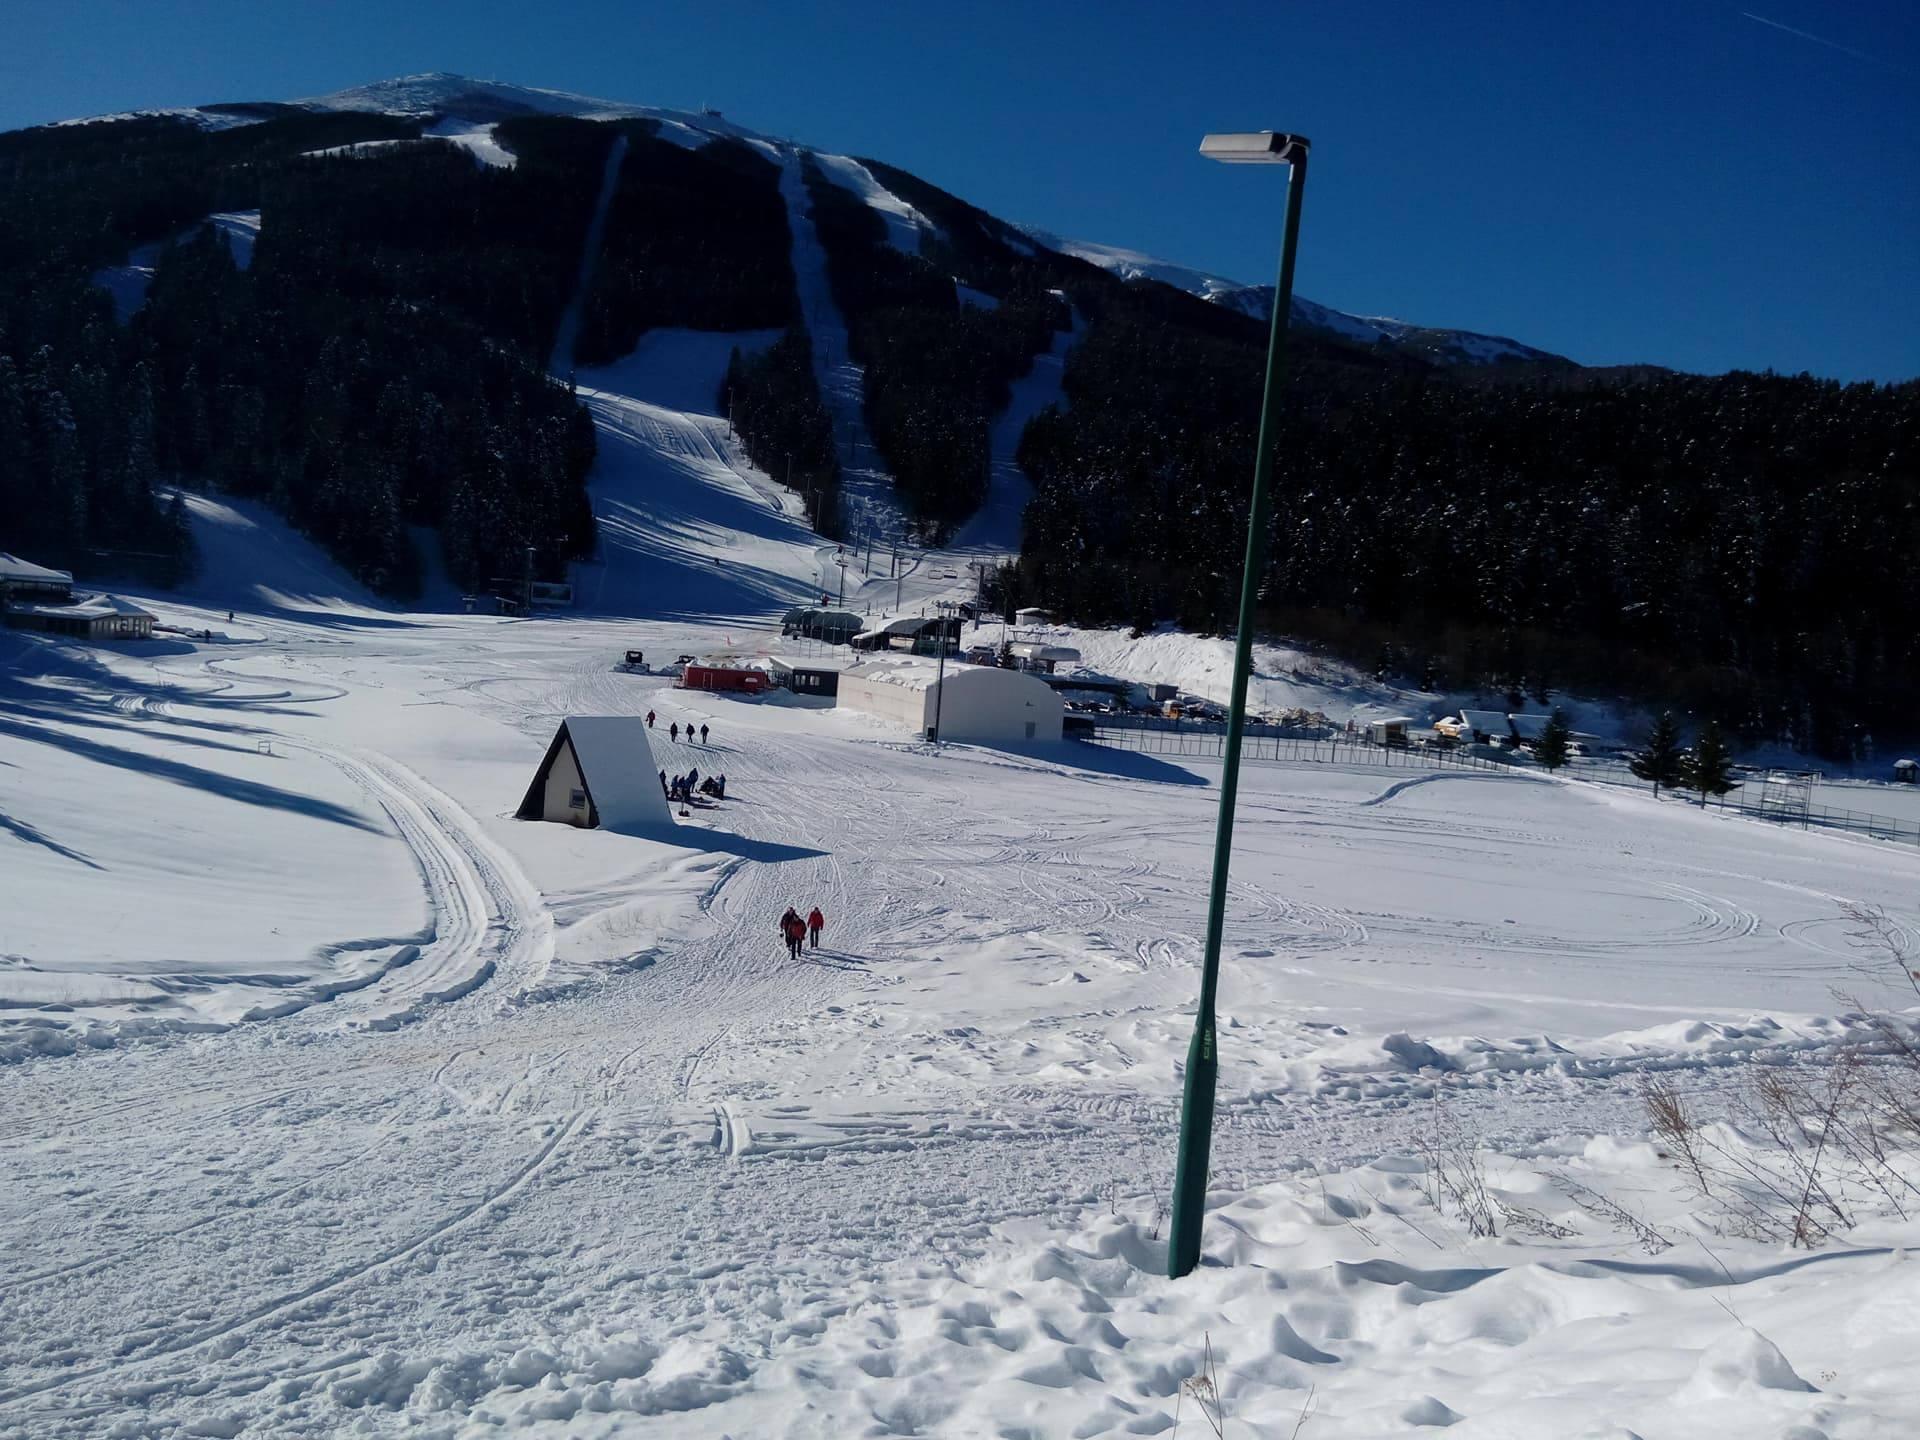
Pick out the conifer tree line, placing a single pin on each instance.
(774, 403)
(378, 365)
(83, 408)
(1706, 768)
(695, 239)
(1739, 545)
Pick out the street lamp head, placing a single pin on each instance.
(1255, 147)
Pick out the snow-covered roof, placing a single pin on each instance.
(94, 607)
(1528, 727)
(908, 674)
(808, 662)
(1394, 720)
(1036, 650)
(616, 761)
(1493, 722)
(16, 571)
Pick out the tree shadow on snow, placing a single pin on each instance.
(1120, 764)
(39, 837)
(722, 842)
(178, 772)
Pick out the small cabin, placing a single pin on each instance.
(598, 773)
(1906, 772)
(1391, 731)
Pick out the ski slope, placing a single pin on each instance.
(689, 528)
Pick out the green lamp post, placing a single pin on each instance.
(1264, 147)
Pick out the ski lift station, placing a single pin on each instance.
(598, 774)
(978, 704)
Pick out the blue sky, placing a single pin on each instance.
(1693, 183)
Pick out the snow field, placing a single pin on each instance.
(647, 1167)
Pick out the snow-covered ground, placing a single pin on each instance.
(597, 1158)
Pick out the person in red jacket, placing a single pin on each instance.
(793, 930)
(815, 922)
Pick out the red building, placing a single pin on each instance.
(724, 677)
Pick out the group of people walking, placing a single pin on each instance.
(674, 729)
(796, 931)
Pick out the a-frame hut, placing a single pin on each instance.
(599, 772)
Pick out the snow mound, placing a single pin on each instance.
(1745, 1360)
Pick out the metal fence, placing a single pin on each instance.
(1203, 741)
(1858, 822)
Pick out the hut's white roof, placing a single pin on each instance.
(617, 763)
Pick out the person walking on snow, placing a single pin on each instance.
(815, 923)
(793, 930)
(703, 733)
(674, 730)
(649, 719)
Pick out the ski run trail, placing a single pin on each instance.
(338, 1102)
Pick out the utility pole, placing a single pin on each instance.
(940, 677)
(1203, 1060)
(841, 560)
(529, 610)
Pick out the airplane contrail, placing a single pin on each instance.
(1805, 35)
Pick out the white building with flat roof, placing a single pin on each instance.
(979, 704)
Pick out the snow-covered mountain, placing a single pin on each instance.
(1441, 345)
(480, 103)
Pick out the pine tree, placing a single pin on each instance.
(1555, 738)
(1660, 762)
(1708, 767)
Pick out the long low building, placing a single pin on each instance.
(979, 704)
(92, 617)
(24, 580)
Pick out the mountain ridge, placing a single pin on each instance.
(447, 94)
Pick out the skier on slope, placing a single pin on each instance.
(793, 930)
(815, 923)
